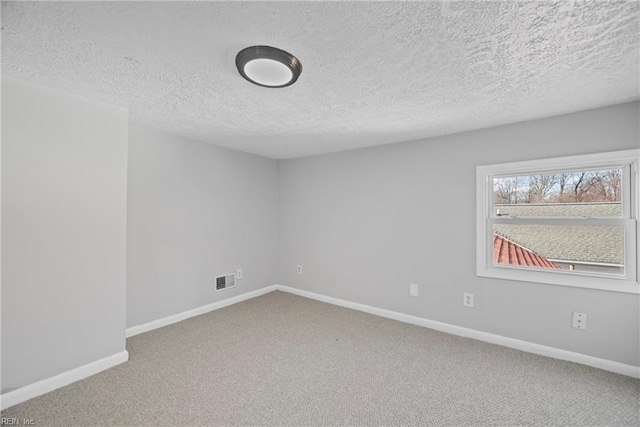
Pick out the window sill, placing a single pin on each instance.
(574, 280)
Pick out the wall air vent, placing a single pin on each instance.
(226, 281)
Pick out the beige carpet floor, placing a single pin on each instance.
(283, 360)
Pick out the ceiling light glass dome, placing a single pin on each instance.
(268, 66)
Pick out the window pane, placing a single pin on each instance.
(586, 193)
(580, 248)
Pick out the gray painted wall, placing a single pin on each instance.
(64, 165)
(366, 223)
(195, 211)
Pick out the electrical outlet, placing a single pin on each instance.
(239, 274)
(580, 320)
(467, 299)
(299, 269)
(413, 289)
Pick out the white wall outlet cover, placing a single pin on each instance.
(299, 269)
(239, 274)
(413, 289)
(467, 299)
(579, 320)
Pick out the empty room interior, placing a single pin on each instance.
(320, 213)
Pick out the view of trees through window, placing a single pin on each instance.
(572, 195)
(589, 186)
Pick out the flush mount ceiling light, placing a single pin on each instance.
(268, 66)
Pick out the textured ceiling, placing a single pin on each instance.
(374, 73)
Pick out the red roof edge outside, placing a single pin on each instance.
(508, 252)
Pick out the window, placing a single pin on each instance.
(566, 221)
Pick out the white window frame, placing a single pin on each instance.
(628, 160)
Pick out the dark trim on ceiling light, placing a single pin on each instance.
(267, 52)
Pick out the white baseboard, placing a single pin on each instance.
(543, 350)
(174, 318)
(45, 386)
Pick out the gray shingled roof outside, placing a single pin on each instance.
(560, 210)
(601, 244)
